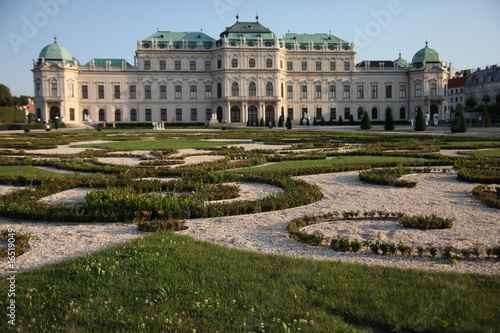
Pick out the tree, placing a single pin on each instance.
(389, 121)
(471, 102)
(458, 124)
(420, 121)
(288, 123)
(486, 117)
(341, 122)
(486, 99)
(6, 98)
(351, 120)
(365, 121)
(280, 121)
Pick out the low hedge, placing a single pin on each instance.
(489, 197)
(148, 125)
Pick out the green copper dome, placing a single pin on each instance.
(426, 55)
(55, 52)
(403, 63)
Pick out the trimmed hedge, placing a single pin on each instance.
(12, 115)
(148, 125)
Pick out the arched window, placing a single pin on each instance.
(251, 63)
(252, 113)
(133, 115)
(219, 90)
(374, 113)
(269, 63)
(235, 114)
(86, 116)
(235, 89)
(252, 89)
(118, 115)
(102, 115)
(269, 89)
(234, 63)
(360, 113)
(219, 64)
(402, 113)
(270, 113)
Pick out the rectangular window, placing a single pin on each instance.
(133, 92)
(193, 92)
(147, 92)
(147, 65)
(388, 91)
(208, 92)
(319, 114)
(192, 65)
(347, 92)
(71, 90)
(347, 65)
(194, 114)
(178, 92)
(433, 89)
(178, 114)
(360, 92)
(163, 115)
(208, 65)
(290, 113)
(117, 93)
(332, 66)
(100, 91)
(333, 114)
(289, 66)
(332, 93)
(318, 91)
(318, 65)
(163, 92)
(71, 114)
(38, 89)
(163, 65)
(374, 91)
(208, 114)
(402, 91)
(304, 92)
(85, 91)
(347, 113)
(148, 115)
(304, 65)
(177, 65)
(418, 90)
(289, 92)
(53, 89)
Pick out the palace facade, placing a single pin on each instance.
(248, 73)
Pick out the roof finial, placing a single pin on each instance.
(55, 39)
(237, 17)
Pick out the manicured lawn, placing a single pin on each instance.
(30, 171)
(160, 144)
(487, 153)
(168, 282)
(286, 165)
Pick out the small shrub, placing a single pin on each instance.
(340, 244)
(155, 225)
(426, 222)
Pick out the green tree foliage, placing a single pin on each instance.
(486, 117)
(288, 123)
(389, 121)
(6, 98)
(458, 125)
(419, 120)
(366, 122)
(351, 120)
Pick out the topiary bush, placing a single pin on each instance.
(426, 222)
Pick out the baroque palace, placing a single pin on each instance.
(248, 73)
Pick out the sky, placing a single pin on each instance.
(465, 32)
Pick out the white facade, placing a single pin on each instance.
(247, 74)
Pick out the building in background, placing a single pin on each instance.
(248, 73)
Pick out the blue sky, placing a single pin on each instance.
(465, 32)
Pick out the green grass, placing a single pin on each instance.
(488, 153)
(30, 171)
(168, 282)
(287, 165)
(160, 144)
